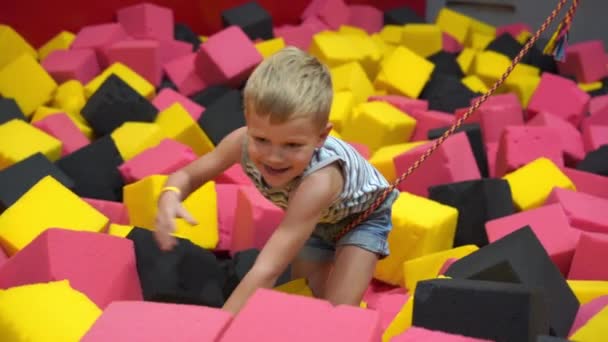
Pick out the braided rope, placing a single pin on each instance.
(567, 20)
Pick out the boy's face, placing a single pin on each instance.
(282, 151)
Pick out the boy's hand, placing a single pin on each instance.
(169, 208)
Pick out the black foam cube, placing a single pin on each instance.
(473, 132)
(210, 94)
(188, 274)
(252, 18)
(477, 202)
(482, 309)
(506, 45)
(520, 255)
(447, 93)
(184, 33)
(595, 161)
(114, 103)
(536, 57)
(546, 338)
(446, 63)
(94, 169)
(223, 116)
(602, 91)
(401, 16)
(18, 178)
(9, 110)
(237, 267)
(166, 83)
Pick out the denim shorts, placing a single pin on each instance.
(371, 235)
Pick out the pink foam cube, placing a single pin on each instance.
(598, 118)
(586, 312)
(99, 265)
(594, 136)
(427, 120)
(366, 17)
(585, 212)
(163, 159)
(181, 72)
(273, 316)
(376, 289)
(234, 175)
(299, 36)
(124, 321)
(361, 148)
(421, 334)
(256, 218)
(167, 97)
(116, 212)
(585, 61)
(334, 13)
(597, 104)
(173, 49)
(63, 128)
(147, 21)
(551, 227)
(99, 38)
(404, 104)
(589, 257)
(64, 65)
(588, 182)
(227, 195)
(446, 265)
(453, 161)
(520, 145)
(498, 113)
(388, 306)
(3, 258)
(227, 57)
(560, 96)
(141, 56)
(450, 44)
(492, 154)
(570, 137)
(514, 29)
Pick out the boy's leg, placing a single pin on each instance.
(353, 270)
(315, 273)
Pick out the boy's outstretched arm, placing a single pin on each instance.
(313, 195)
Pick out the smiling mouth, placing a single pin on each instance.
(275, 171)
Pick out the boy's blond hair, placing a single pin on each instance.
(291, 83)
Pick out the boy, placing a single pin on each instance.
(320, 182)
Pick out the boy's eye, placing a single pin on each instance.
(294, 145)
(260, 140)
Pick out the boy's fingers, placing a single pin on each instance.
(183, 213)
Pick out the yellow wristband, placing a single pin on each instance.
(171, 188)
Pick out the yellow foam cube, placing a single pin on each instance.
(590, 86)
(119, 230)
(478, 26)
(269, 47)
(141, 200)
(27, 82)
(352, 77)
(392, 34)
(475, 84)
(295, 287)
(44, 111)
(465, 60)
(479, 41)
(349, 29)
(335, 134)
(423, 39)
(588, 290)
(176, 123)
(454, 23)
(341, 108)
(13, 45)
(522, 69)
(401, 322)
(403, 72)
(420, 226)
(490, 65)
(19, 140)
(137, 82)
(382, 158)
(384, 47)
(523, 37)
(523, 86)
(392, 126)
(46, 205)
(52, 311)
(71, 98)
(371, 55)
(428, 266)
(595, 330)
(532, 183)
(61, 41)
(333, 48)
(148, 135)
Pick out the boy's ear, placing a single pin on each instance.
(324, 133)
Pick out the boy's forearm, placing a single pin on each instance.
(251, 282)
(181, 180)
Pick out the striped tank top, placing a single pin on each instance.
(363, 183)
